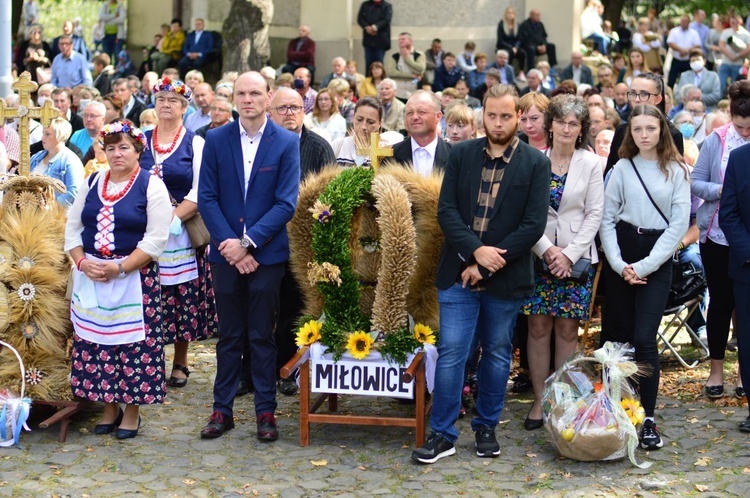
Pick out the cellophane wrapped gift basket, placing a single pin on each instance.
(590, 408)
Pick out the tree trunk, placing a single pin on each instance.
(245, 32)
(613, 11)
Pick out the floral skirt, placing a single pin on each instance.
(125, 373)
(560, 297)
(189, 308)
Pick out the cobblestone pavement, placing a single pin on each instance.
(704, 455)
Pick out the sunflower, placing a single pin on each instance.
(309, 333)
(359, 344)
(633, 410)
(424, 334)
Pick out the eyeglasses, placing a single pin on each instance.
(287, 109)
(218, 109)
(695, 112)
(573, 125)
(641, 95)
(92, 116)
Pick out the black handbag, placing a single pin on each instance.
(687, 282)
(579, 271)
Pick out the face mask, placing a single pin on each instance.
(41, 100)
(146, 128)
(687, 130)
(299, 84)
(697, 120)
(697, 65)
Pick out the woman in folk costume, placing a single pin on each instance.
(174, 155)
(117, 227)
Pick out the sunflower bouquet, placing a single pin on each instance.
(590, 409)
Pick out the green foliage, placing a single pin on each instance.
(347, 192)
(52, 14)
(397, 346)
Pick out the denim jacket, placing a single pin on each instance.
(66, 167)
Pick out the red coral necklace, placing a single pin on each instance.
(171, 146)
(116, 197)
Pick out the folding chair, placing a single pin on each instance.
(680, 309)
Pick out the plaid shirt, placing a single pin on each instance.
(308, 99)
(493, 171)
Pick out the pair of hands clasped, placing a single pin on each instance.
(628, 273)
(100, 271)
(489, 257)
(559, 264)
(238, 256)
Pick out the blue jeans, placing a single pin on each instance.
(601, 43)
(730, 71)
(463, 315)
(372, 55)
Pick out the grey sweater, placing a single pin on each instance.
(626, 200)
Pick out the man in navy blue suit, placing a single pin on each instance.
(734, 219)
(198, 45)
(248, 189)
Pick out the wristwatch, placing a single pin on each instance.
(246, 243)
(122, 273)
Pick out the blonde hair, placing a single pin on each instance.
(195, 73)
(149, 113)
(62, 129)
(459, 113)
(339, 86)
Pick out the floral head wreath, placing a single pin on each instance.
(167, 84)
(123, 127)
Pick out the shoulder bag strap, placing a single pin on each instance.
(648, 193)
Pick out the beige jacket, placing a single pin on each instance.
(581, 207)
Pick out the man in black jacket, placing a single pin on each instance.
(492, 210)
(424, 151)
(533, 39)
(375, 20)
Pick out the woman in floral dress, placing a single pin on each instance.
(117, 228)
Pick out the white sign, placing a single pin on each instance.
(370, 378)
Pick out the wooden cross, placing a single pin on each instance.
(25, 111)
(374, 151)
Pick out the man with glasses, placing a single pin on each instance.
(314, 153)
(70, 69)
(93, 122)
(221, 114)
(203, 96)
(697, 110)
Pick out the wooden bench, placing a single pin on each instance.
(308, 412)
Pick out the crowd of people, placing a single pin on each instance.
(538, 160)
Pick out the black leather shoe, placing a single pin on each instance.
(217, 425)
(521, 384)
(739, 392)
(288, 387)
(244, 388)
(267, 430)
(128, 433)
(745, 425)
(714, 392)
(176, 381)
(531, 424)
(108, 428)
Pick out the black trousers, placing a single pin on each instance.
(247, 306)
(638, 310)
(531, 55)
(719, 316)
(742, 295)
(675, 70)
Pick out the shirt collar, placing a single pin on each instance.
(507, 155)
(430, 147)
(260, 130)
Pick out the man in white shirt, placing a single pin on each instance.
(203, 96)
(681, 40)
(425, 150)
(734, 44)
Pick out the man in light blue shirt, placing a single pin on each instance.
(701, 28)
(69, 69)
